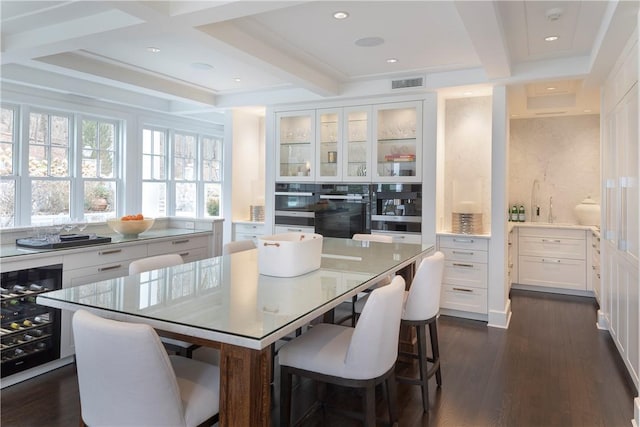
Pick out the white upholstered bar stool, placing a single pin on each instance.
(142, 386)
(238, 246)
(421, 307)
(152, 263)
(380, 238)
(360, 357)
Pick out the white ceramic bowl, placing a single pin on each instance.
(130, 228)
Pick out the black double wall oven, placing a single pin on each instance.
(295, 206)
(343, 210)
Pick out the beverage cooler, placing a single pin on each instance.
(29, 333)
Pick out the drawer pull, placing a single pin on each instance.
(462, 240)
(550, 260)
(179, 242)
(110, 252)
(462, 252)
(111, 267)
(552, 240)
(463, 290)
(457, 264)
(184, 254)
(294, 229)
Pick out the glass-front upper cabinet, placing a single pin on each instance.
(329, 143)
(295, 136)
(357, 144)
(398, 145)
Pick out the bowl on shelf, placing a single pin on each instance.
(130, 228)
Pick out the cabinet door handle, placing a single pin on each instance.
(110, 252)
(462, 240)
(551, 260)
(111, 267)
(294, 229)
(457, 264)
(462, 252)
(463, 290)
(179, 242)
(552, 240)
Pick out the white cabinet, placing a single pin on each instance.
(397, 151)
(414, 238)
(595, 265)
(552, 257)
(247, 231)
(295, 146)
(362, 143)
(620, 234)
(464, 284)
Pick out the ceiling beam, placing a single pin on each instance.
(261, 54)
(484, 27)
(621, 17)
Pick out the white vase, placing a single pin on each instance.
(587, 212)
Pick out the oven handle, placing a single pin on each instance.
(286, 193)
(298, 214)
(337, 197)
(393, 218)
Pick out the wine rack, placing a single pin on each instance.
(29, 333)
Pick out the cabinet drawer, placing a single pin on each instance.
(104, 255)
(552, 272)
(244, 236)
(464, 255)
(403, 237)
(472, 274)
(249, 228)
(97, 273)
(194, 254)
(178, 245)
(464, 298)
(552, 247)
(293, 229)
(459, 242)
(551, 233)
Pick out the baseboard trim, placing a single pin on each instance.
(500, 319)
(635, 422)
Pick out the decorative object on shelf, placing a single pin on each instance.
(587, 212)
(130, 228)
(332, 156)
(256, 213)
(467, 218)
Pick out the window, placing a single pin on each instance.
(194, 185)
(99, 168)
(50, 177)
(154, 176)
(48, 165)
(7, 168)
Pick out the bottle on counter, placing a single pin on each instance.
(521, 215)
(514, 213)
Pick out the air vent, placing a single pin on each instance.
(407, 83)
(551, 113)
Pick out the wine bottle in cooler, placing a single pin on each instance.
(514, 213)
(521, 215)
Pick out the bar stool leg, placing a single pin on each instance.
(433, 332)
(422, 364)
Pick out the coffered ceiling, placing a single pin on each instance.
(193, 57)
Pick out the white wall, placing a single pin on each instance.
(467, 157)
(248, 172)
(563, 154)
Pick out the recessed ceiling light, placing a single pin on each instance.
(467, 93)
(202, 66)
(515, 115)
(551, 38)
(392, 61)
(237, 79)
(341, 15)
(153, 49)
(551, 88)
(586, 111)
(369, 41)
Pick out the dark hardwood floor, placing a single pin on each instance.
(552, 367)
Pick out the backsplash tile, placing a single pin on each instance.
(563, 154)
